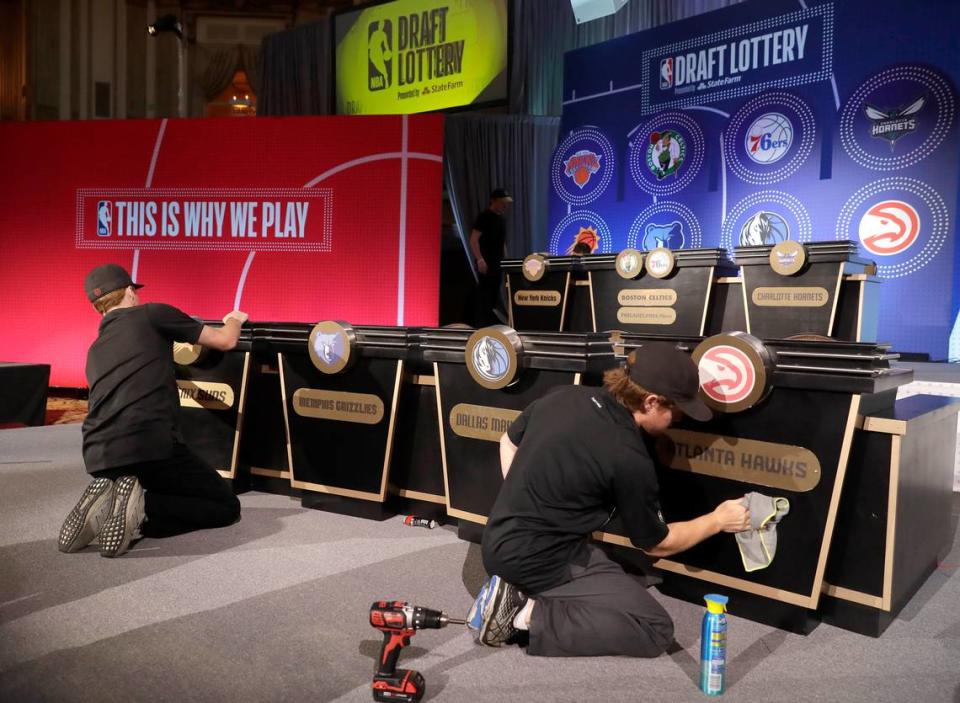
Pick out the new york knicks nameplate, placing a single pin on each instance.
(331, 346)
(735, 371)
(493, 356)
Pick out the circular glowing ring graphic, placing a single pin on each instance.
(932, 83)
(893, 188)
(735, 371)
(764, 198)
(331, 345)
(691, 163)
(889, 227)
(562, 153)
(801, 150)
(665, 207)
(493, 356)
(603, 230)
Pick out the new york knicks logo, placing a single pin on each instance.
(769, 138)
(668, 235)
(330, 345)
(733, 371)
(893, 123)
(534, 267)
(666, 153)
(666, 73)
(581, 166)
(379, 54)
(492, 356)
(763, 229)
(104, 218)
(889, 227)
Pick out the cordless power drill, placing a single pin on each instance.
(399, 621)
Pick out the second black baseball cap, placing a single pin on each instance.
(106, 279)
(501, 194)
(663, 369)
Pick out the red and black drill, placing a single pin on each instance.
(399, 621)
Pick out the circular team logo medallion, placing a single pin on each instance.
(629, 263)
(534, 266)
(902, 221)
(889, 227)
(665, 224)
(330, 346)
(765, 218)
(581, 226)
(897, 118)
(734, 371)
(660, 263)
(666, 153)
(186, 354)
(493, 355)
(787, 257)
(582, 166)
(769, 138)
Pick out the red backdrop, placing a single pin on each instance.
(345, 213)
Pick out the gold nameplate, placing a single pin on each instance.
(647, 316)
(650, 297)
(780, 466)
(480, 421)
(811, 297)
(205, 394)
(337, 405)
(545, 298)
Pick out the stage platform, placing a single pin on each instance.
(934, 379)
(275, 608)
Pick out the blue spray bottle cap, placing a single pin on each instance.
(716, 603)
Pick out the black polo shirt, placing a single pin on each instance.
(580, 456)
(493, 235)
(134, 403)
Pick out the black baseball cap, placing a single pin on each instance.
(106, 279)
(500, 194)
(663, 369)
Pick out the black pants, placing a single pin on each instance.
(601, 610)
(183, 493)
(488, 299)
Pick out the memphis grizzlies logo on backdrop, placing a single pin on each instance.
(669, 236)
(666, 224)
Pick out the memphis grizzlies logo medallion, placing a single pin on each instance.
(331, 346)
(492, 355)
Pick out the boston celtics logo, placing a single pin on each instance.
(666, 153)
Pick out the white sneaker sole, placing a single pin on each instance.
(85, 521)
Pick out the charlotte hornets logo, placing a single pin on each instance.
(104, 218)
(669, 236)
(892, 124)
(666, 153)
(764, 229)
(581, 166)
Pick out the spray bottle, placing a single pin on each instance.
(713, 646)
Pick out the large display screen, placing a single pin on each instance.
(411, 56)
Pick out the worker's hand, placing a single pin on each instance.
(732, 516)
(482, 266)
(237, 315)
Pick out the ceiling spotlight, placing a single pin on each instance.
(167, 23)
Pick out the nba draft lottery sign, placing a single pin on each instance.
(769, 122)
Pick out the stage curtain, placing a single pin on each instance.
(483, 152)
(297, 75)
(544, 29)
(252, 64)
(216, 67)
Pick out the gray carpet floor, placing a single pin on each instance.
(275, 608)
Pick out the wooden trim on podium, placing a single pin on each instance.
(746, 303)
(464, 515)
(269, 473)
(857, 277)
(729, 279)
(593, 304)
(853, 596)
(443, 441)
(581, 282)
(420, 379)
(419, 495)
(509, 303)
(706, 300)
(895, 441)
(286, 417)
(861, 289)
(836, 299)
(388, 450)
(240, 408)
(336, 490)
(563, 301)
(884, 425)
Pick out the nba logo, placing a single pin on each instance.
(104, 218)
(666, 73)
(379, 54)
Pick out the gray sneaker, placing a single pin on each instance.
(504, 600)
(123, 525)
(87, 517)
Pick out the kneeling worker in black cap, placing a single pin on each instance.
(147, 482)
(569, 461)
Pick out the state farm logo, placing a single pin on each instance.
(666, 73)
(581, 166)
(889, 227)
(734, 371)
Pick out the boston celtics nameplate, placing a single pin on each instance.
(481, 421)
(205, 394)
(781, 466)
(651, 297)
(363, 408)
(804, 297)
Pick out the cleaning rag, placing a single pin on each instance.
(758, 545)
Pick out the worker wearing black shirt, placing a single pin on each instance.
(569, 461)
(488, 239)
(147, 482)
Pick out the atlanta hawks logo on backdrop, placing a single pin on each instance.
(889, 227)
(581, 166)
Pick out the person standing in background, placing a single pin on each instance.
(488, 239)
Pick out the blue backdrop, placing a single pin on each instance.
(776, 119)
